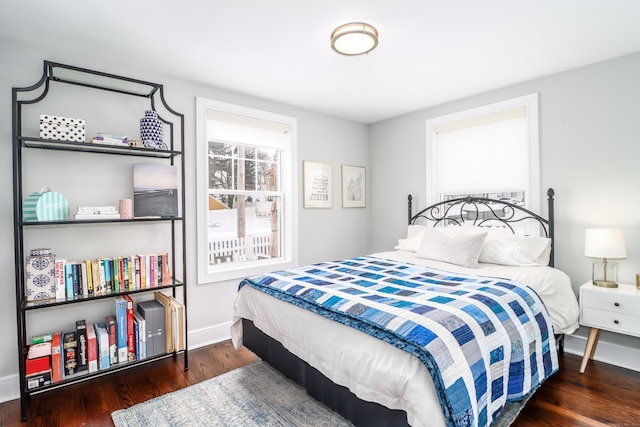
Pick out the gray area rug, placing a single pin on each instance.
(254, 395)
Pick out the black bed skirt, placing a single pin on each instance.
(336, 397)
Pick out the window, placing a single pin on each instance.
(246, 191)
(491, 151)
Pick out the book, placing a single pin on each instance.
(131, 342)
(102, 339)
(116, 275)
(61, 292)
(95, 276)
(142, 336)
(121, 323)
(169, 317)
(69, 348)
(84, 279)
(125, 273)
(89, 276)
(108, 275)
(175, 321)
(96, 210)
(82, 358)
(68, 280)
(92, 348)
(112, 330)
(143, 271)
(155, 190)
(56, 358)
(84, 217)
(103, 280)
(136, 338)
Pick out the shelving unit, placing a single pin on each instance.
(54, 74)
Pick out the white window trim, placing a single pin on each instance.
(530, 102)
(289, 173)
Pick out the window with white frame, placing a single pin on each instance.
(246, 191)
(490, 151)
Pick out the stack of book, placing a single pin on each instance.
(97, 212)
(104, 276)
(110, 139)
(135, 332)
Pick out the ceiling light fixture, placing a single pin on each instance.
(354, 38)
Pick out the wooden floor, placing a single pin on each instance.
(603, 395)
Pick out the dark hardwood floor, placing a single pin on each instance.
(603, 395)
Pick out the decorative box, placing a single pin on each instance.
(45, 205)
(62, 128)
(40, 274)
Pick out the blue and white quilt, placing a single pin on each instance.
(486, 341)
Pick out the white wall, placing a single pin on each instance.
(589, 151)
(324, 234)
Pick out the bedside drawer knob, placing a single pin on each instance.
(617, 304)
(616, 322)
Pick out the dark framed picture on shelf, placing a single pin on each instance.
(354, 193)
(155, 190)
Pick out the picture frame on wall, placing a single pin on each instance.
(317, 185)
(354, 186)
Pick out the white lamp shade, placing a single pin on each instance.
(604, 243)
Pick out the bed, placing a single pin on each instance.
(371, 379)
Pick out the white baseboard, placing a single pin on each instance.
(606, 352)
(9, 388)
(10, 385)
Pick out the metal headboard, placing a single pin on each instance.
(485, 212)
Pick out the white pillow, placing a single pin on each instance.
(415, 233)
(460, 248)
(515, 250)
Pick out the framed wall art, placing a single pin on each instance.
(317, 185)
(354, 193)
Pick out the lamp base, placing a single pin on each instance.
(605, 283)
(605, 274)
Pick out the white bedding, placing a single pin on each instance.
(372, 369)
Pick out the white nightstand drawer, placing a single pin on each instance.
(611, 321)
(621, 300)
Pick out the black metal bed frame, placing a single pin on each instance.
(339, 398)
(485, 212)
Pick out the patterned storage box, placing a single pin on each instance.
(62, 128)
(40, 275)
(45, 205)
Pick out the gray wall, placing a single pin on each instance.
(320, 138)
(589, 152)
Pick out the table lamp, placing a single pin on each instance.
(604, 243)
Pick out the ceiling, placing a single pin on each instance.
(430, 51)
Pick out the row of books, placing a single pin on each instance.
(150, 329)
(105, 276)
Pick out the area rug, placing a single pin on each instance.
(254, 395)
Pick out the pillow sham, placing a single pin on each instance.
(415, 233)
(515, 250)
(460, 248)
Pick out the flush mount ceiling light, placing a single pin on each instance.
(354, 38)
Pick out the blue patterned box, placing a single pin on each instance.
(45, 205)
(40, 275)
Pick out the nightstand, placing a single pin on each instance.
(609, 309)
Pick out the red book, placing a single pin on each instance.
(92, 348)
(131, 333)
(56, 358)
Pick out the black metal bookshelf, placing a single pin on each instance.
(61, 74)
